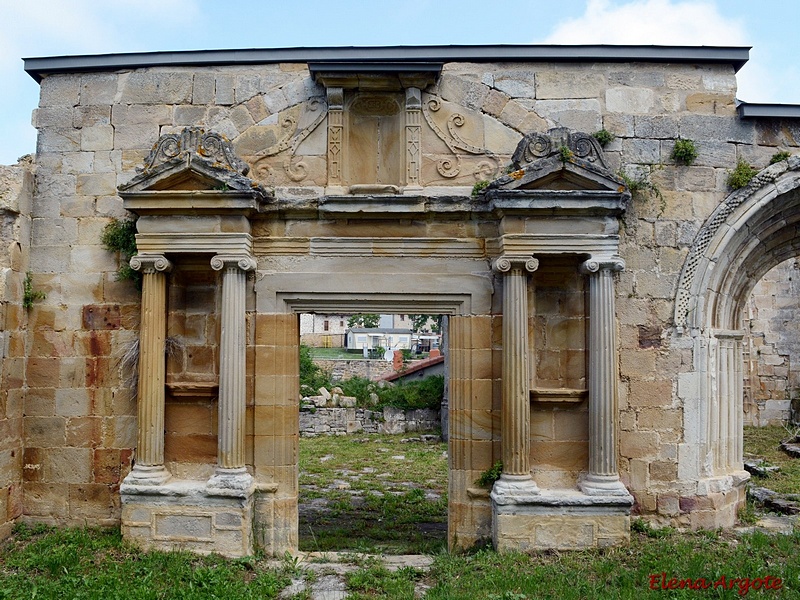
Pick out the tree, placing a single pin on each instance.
(420, 322)
(368, 320)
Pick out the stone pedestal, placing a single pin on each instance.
(563, 520)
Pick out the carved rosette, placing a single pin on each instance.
(210, 146)
(536, 146)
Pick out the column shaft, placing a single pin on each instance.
(149, 466)
(231, 471)
(230, 454)
(515, 417)
(603, 477)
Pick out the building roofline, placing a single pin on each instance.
(39, 67)
(754, 110)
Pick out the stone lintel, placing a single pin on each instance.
(387, 77)
(194, 243)
(599, 203)
(192, 202)
(371, 205)
(522, 244)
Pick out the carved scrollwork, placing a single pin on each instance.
(535, 146)
(450, 167)
(211, 146)
(504, 264)
(594, 264)
(150, 263)
(241, 261)
(290, 139)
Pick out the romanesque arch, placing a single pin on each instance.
(751, 231)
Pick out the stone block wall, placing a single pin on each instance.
(344, 421)
(773, 364)
(347, 368)
(16, 193)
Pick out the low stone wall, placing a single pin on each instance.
(342, 421)
(357, 367)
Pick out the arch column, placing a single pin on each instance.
(231, 472)
(603, 476)
(516, 480)
(149, 468)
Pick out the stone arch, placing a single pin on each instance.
(751, 231)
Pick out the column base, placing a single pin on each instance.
(147, 475)
(230, 482)
(514, 489)
(602, 485)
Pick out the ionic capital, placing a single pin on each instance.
(504, 264)
(244, 262)
(595, 264)
(150, 263)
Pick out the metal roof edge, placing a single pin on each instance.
(755, 110)
(38, 67)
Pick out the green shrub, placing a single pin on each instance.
(779, 156)
(604, 136)
(490, 475)
(29, 295)
(684, 152)
(120, 236)
(311, 374)
(741, 175)
(479, 187)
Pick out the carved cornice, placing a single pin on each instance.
(536, 146)
(241, 261)
(150, 263)
(505, 264)
(595, 264)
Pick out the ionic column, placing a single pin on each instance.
(603, 477)
(515, 425)
(231, 472)
(149, 467)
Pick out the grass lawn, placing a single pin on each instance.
(370, 499)
(373, 493)
(764, 442)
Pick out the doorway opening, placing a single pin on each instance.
(373, 464)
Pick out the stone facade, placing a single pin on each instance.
(594, 339)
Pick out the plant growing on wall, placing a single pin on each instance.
(741, 175)
(641, 184)
(490, 475)
(120, 236)
(479, 187)
(29, 295)
(604, 136)
(565, 154)
(779, 156)
(684, 152)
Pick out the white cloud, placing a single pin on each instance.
(650, 22)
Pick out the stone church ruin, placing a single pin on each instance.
(597, 297)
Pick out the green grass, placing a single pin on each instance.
(42, 562)
(381, 495)
(764, 442)
(334, 353)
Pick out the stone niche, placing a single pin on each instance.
(190, 486)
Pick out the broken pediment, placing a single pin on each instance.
(559, 160)
(192, 160)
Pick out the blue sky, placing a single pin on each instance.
(64, 27)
